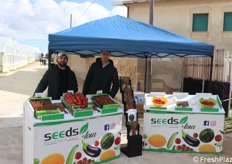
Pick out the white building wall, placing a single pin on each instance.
(14, 55)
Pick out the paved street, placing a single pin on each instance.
(17, 86)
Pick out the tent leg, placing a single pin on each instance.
(210, 77)
(49, 59)
(145, 78)
(229, 103)
(203, 78)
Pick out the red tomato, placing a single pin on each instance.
(78, 155)
(218, 138)
(177, 141)
(117, 141)
(195, 135)
(96, 143)
(179, 147)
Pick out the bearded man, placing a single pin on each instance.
(59, 79)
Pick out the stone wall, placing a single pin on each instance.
(125, 66)
(167, 74)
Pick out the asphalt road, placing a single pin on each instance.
(19, 85)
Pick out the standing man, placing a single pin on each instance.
(59, 78)
(102, 75)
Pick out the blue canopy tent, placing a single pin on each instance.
(126, 37)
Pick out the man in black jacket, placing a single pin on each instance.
(59, 79)
(102, 75)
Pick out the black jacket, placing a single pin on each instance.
(99, 78)
(50, 80)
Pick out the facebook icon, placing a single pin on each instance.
(107, 127)
(206, 123)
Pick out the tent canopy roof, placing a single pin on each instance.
(126, 37)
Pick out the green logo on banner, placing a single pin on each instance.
(184, 120)
(84, 128)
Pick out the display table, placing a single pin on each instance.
(189, 128)
(94, 139)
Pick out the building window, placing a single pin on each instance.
(200, 23)
(227, 26)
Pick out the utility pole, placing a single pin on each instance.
(148, 61)
(151, 12)
(70, 20)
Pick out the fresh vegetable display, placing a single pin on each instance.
(191, 141)
(70, 140)
(90, 150)
(60, 107)
(103, 100)
(183, 123)
(42, 104)
(182, 104)
(206, 135)
(76, 99)
(159, 101)
(207, 103)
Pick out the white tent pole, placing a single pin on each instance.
(230, 65)
(203, 78)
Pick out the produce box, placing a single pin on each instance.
(44, 109)
(76, 102)
(66, 105)
(104, 101)
(210, 104)
(182, 106)
(108, 110)
(79, 112)
(153, 102)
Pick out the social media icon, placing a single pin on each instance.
(107, 127)
(206, 123)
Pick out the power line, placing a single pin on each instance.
(84, 11)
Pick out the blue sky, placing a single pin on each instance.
(106, 3)
(30, 21)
